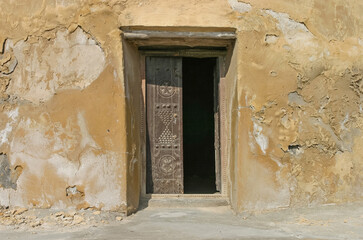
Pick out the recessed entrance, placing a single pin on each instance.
(182, 125)
(149, 93)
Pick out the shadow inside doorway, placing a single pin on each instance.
(198, 125)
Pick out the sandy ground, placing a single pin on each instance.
(326, 222)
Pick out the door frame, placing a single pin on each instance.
(220, 55)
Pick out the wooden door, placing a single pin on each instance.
(164, 125)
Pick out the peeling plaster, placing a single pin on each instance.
(240, 7)
(271, 38)
(70, 61)
(95, 170)
(295, 98)
(261, 139)
(293, 32)
(13, 115)
(346, 119)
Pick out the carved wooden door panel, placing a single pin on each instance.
(164, 125)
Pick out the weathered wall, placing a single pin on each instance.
(301, 88)
(62, 107)
(70, 130)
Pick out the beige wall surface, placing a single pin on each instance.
(70, 117)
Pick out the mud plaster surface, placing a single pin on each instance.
(66, 118)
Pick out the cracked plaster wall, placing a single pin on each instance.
(69, 131)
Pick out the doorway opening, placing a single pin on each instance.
(182, 124)
(199, 125)
(161, 155)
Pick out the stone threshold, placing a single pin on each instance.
(184, 200)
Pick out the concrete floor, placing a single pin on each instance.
(326, 222)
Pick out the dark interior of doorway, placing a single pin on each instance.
(198, 125)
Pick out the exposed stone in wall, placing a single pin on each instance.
(8, 177)
(8, 63)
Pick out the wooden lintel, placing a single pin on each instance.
(143, 34)
(184, 52)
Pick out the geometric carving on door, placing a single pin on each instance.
(167, 164)
(166, 137)
(166, 117)
(166, 90)
(164, 125)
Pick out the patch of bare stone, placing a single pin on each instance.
(26, 219)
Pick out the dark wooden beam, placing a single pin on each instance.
(144, 34)
(199, 53)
